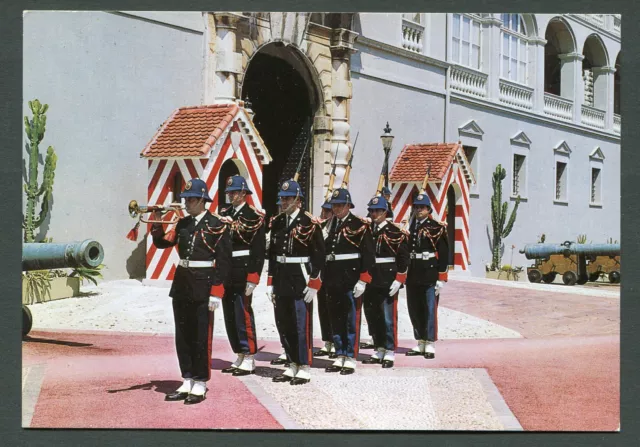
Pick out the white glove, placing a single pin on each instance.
(325, 233)
(439, 285)
(270, 294)
(359, 288)
(395, 286)
(226, 219)
(367, 219)
(214, 303)
(309, 294)
(250, 288)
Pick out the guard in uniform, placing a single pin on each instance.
(429, 259)
(388, 276)
(328, 349)
(296, 261)
(350, 259)
(248, 242)
(386, 193)
(204, 246)
(282, 358)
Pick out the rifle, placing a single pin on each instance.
(345, 180)
(425, 182)
(332, 178)
(381, 180)
(306, 145)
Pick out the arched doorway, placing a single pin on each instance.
(451, 223)
(283, 95)
(556, 73)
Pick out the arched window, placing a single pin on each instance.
(514, 49)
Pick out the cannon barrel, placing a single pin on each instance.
(39, 256)
(542, 251)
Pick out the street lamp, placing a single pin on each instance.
(387, 141)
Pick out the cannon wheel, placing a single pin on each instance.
(569, 278)
(594, 277)
(583, 280)
(534, 275)
(614, 277)
(27, 320)
(548, 278)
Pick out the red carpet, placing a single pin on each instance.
(116, 380)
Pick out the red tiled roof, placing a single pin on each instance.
(191, 131)
(414, 159)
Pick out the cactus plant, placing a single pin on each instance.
(582, 239)
(498, 216)
(35, 132)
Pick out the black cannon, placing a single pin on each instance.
(578, 263)
(42, 256)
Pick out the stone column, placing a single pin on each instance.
(538, 74)
(571, 85)
(494, 50)
(341, 50)
(603, 93)
(228, 62)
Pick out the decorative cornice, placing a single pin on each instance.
(388, 48)
(571, 56)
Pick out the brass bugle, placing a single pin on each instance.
(135, 210)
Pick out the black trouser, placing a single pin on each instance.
(368, 315)
(295, 325)
(239, 321)
(422, 303)
(382, 316)
(194, 332)
(323, 315)
(345, 312)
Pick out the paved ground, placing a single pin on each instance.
(554, 365)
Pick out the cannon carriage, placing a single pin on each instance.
(39, 256)
(577, 263)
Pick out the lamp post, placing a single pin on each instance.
(387, 141)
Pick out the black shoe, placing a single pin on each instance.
(282, 378)
(228, 370)
(320, 353)
(413, 353)
(299, 381)
(194, 399)
(175, 396)
(333, 355)
(371, 361)
(333, 369)
(366, 346)
(387, 363)
(243, 372)
(429, 355)
(347, 371)
(278, 361)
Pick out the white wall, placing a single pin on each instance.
(110, 81)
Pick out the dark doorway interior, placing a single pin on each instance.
(280, 100)
(227, 170)
(451, 223)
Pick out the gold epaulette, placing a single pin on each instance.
(258, 212)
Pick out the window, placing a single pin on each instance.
(561, 181)
(177, 187)
(514, 50)
(466, 39)
(595, 186)
(519, 173)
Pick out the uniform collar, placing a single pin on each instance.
(293, 215)
(236, 210)
(199, 217)
(381, 225)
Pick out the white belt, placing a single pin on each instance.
(292, 260)
(238, 253)
(424, 256)
(186, 263)
(383, 260)
(343, 257)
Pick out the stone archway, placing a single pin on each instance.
(283, 95)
